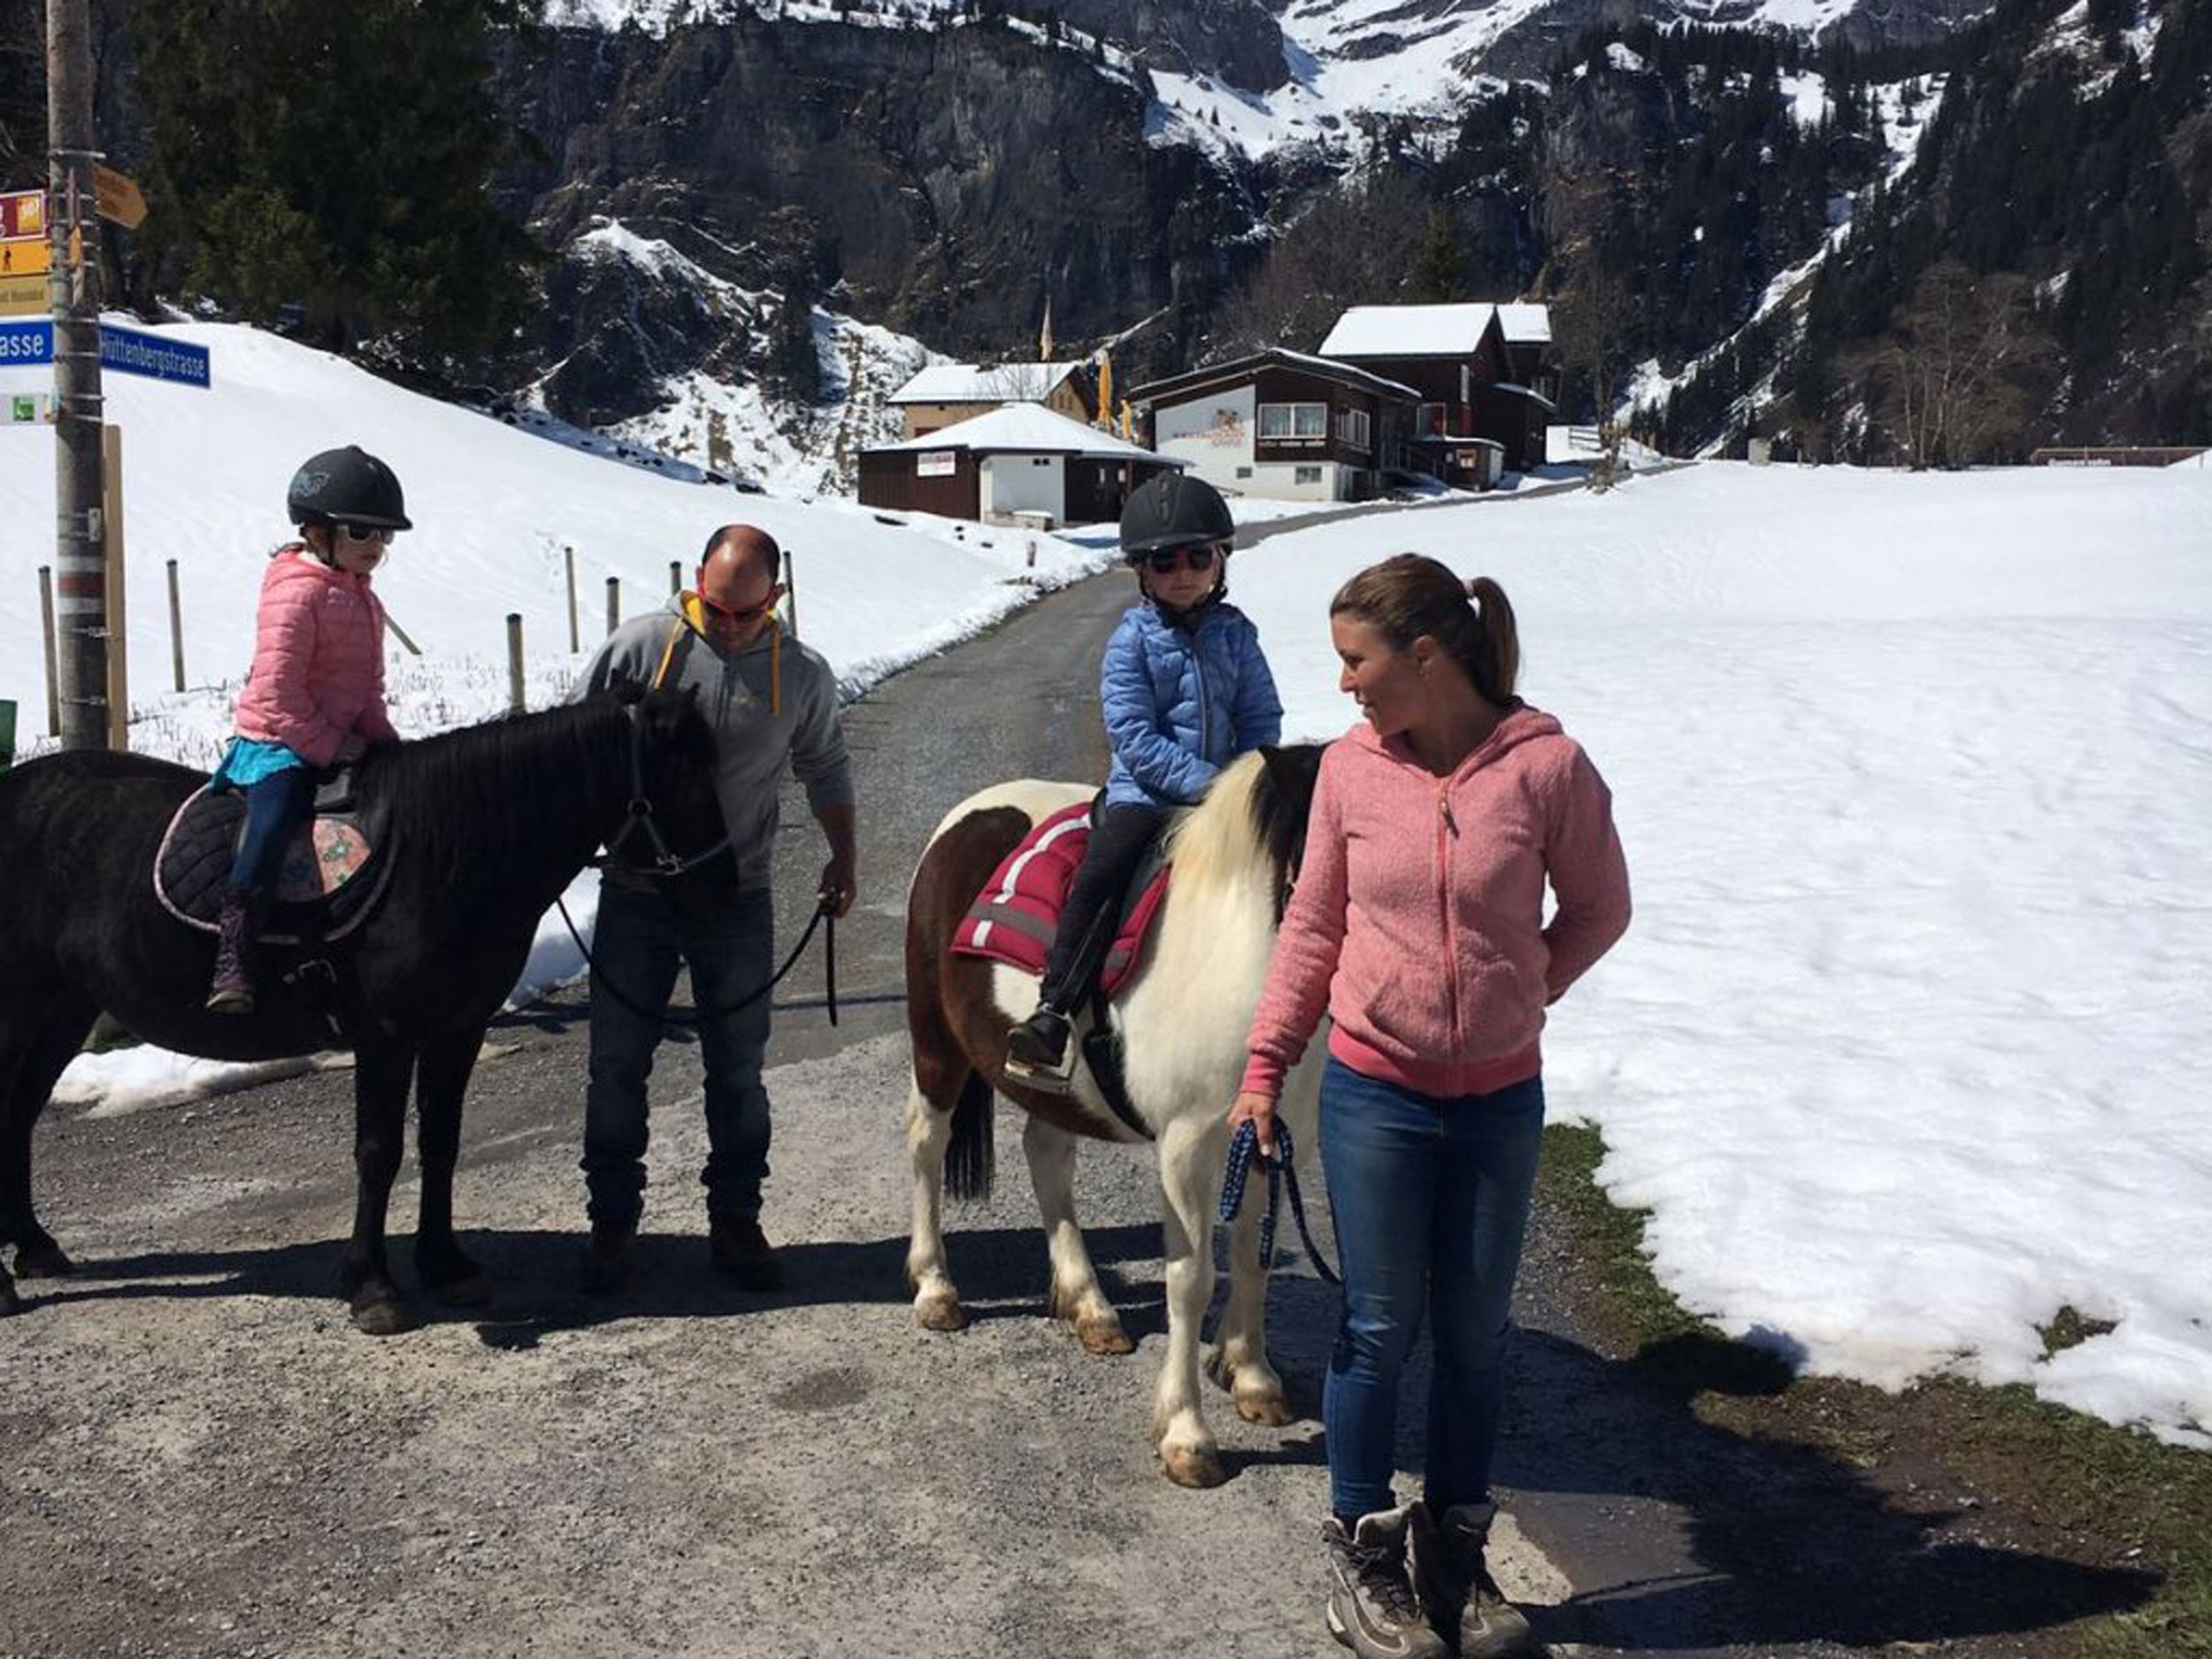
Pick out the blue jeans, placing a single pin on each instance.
(642, 938)
(1430, 1199)
(275, 807)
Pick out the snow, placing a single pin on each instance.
(983, 382)
(1525, 323)
(1904, 1050)
(205, 474)
(1408, 331)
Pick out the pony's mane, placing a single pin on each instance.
(504, 779)
(1254, 812)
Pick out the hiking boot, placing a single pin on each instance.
(231, 991)
(1458, 1592)
(741, 1250)
(1040, 1043)
(1373, 1609)
(605, 1267)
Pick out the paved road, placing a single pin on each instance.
(201, 1458)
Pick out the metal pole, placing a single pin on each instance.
(176, 629)
(72, 290)
(53, 674)
(514, 661)
(614, 603)
(118, 683)
(574, 644)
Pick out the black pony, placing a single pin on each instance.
(485, 827)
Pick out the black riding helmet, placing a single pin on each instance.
(348, 486)
(1173, 509)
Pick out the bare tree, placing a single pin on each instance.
(1951, 380)
(1590, 322)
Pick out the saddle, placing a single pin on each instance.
(1017, 914)
(335, 870)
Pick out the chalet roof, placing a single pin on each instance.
(1525, 323)
(1030, 429)
(984, 383)
(1235, 368)
(1409, 331)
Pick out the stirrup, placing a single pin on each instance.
(1045, 1079)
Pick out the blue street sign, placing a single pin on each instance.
(132, 352)
(126, 351)
(26, 345)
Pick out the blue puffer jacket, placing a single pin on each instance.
(1180, 704)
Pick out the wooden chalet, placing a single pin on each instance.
(1281, 425)
(946, 394)
(1021, 465)
(1474, 418)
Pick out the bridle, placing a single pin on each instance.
(638, 814)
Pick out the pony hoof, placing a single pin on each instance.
(941, 1313)
(1104, 1337)
(471, 1290)
(1269, 1411)
(383, 1315)
(45, 1260)
(1196, 1468)
(10, 1302)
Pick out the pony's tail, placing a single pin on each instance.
(971, 1161)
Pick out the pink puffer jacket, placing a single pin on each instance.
(318, 661)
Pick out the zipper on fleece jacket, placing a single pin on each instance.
(1447, 831)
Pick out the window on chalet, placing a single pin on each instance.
(1293, 420)
(1431, 420)
(1305, 475)
(1351, 427)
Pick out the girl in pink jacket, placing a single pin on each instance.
(315, 695)
(1418, 924)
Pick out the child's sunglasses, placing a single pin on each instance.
(1199, 556)
(364, 533)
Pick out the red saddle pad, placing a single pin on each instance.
(1015, 917)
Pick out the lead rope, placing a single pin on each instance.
(1244, 1147)
(700, 1016)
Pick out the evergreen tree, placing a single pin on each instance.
(337, 159)
(1436, 271)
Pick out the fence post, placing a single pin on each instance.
(176, 629)
(514, 661)
(614, 603)
(53, 663)
(574, 644)
(675, 577)
(790, 596)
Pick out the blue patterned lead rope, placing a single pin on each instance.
(1244, 1148)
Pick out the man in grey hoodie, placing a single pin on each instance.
(772, 704)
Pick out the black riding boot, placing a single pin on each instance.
(232, 990)
(1041, 1041)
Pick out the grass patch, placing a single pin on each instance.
(2063, 1483)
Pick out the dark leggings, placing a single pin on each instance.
(275, 807)
(1119, 840)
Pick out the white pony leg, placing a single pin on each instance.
(936, 1299)
(1076, 1296)
(1191, 1156)
(1239, 1361)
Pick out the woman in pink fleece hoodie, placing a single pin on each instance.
(314, 696)
(1418, 924)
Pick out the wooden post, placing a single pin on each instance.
(118, 653)
(176, 629)
(53, 667)
(85, 625)
(574, 644)
(790, 596)
(514, 661)
(614, 603)
(399, 633)
(675, 577)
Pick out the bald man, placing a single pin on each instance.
(774, 706)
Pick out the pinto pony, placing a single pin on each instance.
(1181, 1021)
(484, 827)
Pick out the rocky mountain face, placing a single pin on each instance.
(940, 183)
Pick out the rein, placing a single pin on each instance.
(1244, 1147)
(640, 818)
(702, 1016)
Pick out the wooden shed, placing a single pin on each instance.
(1019, 464)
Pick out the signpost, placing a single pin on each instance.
(26, 255)
(115, 195)
(30, 345)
